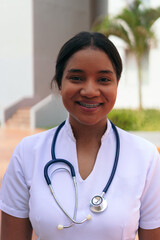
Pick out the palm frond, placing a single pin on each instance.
(150, 16)
(133, 25)
(113, 27)
(129, 18)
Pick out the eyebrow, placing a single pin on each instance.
(74, 70)
(105, 71)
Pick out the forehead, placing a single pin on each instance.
(89, 57)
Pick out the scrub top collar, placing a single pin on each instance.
(69, 131)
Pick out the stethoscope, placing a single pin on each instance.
(98, 203)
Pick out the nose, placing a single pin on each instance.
(90, 90)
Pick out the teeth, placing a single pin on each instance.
(87, 105)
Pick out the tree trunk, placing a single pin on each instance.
(139, 68)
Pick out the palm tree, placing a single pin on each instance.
(133, 25)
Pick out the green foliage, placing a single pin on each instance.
(135, 120)
(134, 26)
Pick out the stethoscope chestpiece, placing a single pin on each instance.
(98, 204)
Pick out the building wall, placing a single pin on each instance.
(98, 8)
(16, 73)
(32, 32)
(55, 21)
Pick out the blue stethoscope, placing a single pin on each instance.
(98, 203)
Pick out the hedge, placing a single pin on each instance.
(135, 120)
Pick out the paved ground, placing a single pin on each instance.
(153, 137)
(9, 138)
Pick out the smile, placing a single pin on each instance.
(89, 105)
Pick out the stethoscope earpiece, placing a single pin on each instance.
(60, 227)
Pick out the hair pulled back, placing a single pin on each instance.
(81, 41)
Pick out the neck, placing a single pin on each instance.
(89, 132)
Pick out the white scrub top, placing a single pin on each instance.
(133, 197)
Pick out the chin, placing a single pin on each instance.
(89, 122)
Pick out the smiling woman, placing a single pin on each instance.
(115, 191)
(89, 87)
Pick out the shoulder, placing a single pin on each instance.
(32, 146)
(38, 139)
(137, 151)
(135, 142)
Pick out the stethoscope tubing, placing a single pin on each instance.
(75, 209)
(54, 141)
(72, 172)
(116, 160)
(55, 160)
(73, 219)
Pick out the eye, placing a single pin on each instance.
(104, 80)
(75, 78)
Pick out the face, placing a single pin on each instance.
(89, 87)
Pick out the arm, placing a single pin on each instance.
(149, 234)
(13, 228)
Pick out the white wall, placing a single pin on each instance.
(15, 50)
(154, 3)
(48, 113)
(115, 6)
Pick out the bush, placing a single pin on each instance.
(134, 120)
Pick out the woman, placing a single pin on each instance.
(87, 73)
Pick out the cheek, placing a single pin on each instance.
(68, 89)
(67, 95)
(111, 94)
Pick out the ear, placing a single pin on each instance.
(60, 90)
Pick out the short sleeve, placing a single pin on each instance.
(150, 200)
(14, 194)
